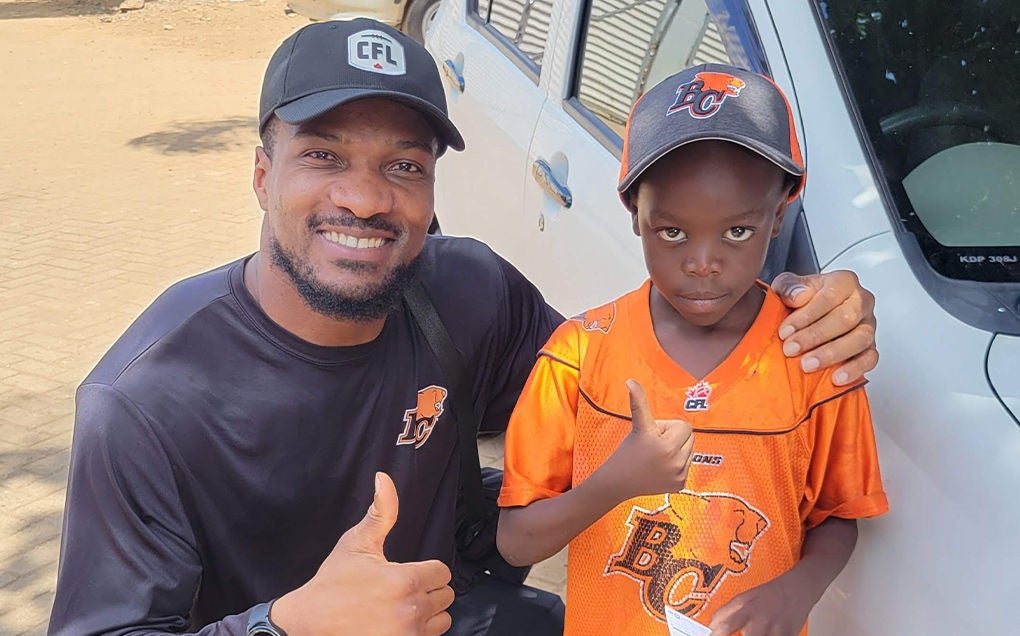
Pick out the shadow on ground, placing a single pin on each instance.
(55, 8)
(29, 573)
(32, 479)
(199, 136)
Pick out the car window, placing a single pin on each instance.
(522, 23)
(628, 47)
(937, 86)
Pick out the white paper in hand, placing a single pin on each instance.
(680, 625)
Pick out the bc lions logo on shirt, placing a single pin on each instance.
(419, 421)
(599, 319)
(679, 554)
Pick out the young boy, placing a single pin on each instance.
(742, 524)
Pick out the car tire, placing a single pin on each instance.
(418, 18)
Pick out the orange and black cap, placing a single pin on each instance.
(711, 101)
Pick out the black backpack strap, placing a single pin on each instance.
(455, 374)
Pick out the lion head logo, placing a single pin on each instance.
(419, 421)
(679, 553)
(703, 96)
(599, 319)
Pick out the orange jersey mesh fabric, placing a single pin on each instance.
(776, 452)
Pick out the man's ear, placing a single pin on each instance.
(262, 167)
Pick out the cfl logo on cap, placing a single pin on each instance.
(376, 52)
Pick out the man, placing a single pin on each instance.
(241, 424)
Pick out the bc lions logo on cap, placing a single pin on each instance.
(704, 95)
(376, 52)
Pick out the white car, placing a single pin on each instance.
(911, 126)
(411, 16)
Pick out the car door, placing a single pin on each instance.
(584, 248)
(490, 54)
(893, 142)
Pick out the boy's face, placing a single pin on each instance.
(705, 214)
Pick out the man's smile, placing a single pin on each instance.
(348, 240)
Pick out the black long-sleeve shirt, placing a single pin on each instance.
(217, 458)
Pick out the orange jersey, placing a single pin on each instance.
(776, 452)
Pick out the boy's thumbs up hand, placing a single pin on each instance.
(641, 413)
(358, 591)
(655, 456)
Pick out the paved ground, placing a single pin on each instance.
(125, 163)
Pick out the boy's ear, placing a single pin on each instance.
(629, 201)
(780, 213)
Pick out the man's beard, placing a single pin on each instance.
(366, 303)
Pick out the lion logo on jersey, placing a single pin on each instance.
(681, 552)
(703, 96)
(419, 421)
(600, 319)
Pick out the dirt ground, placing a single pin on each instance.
(125, 165)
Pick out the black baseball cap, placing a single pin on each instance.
(326, 64)
(711, 101)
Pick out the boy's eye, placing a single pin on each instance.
(739, 233)
(671, 234)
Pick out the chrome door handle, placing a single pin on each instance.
(543, 173)
(453, 76)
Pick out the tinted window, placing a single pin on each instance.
(937, 86)
(630, 46)
(524, 23)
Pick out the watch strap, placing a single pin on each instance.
(259, 623)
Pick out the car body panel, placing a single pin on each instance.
(1004, 371)
(496, 113)
(591, 242)
(845, 185)
(390, 12)
(950, 467)
(942, 561)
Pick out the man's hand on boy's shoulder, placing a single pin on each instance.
(776, 608)
(833, 322)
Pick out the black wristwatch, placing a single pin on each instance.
(259, 623)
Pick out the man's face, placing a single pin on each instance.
(706, 213)
(348, 199)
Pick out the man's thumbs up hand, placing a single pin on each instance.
(654, 457)
(357, 591)
(369, 535)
